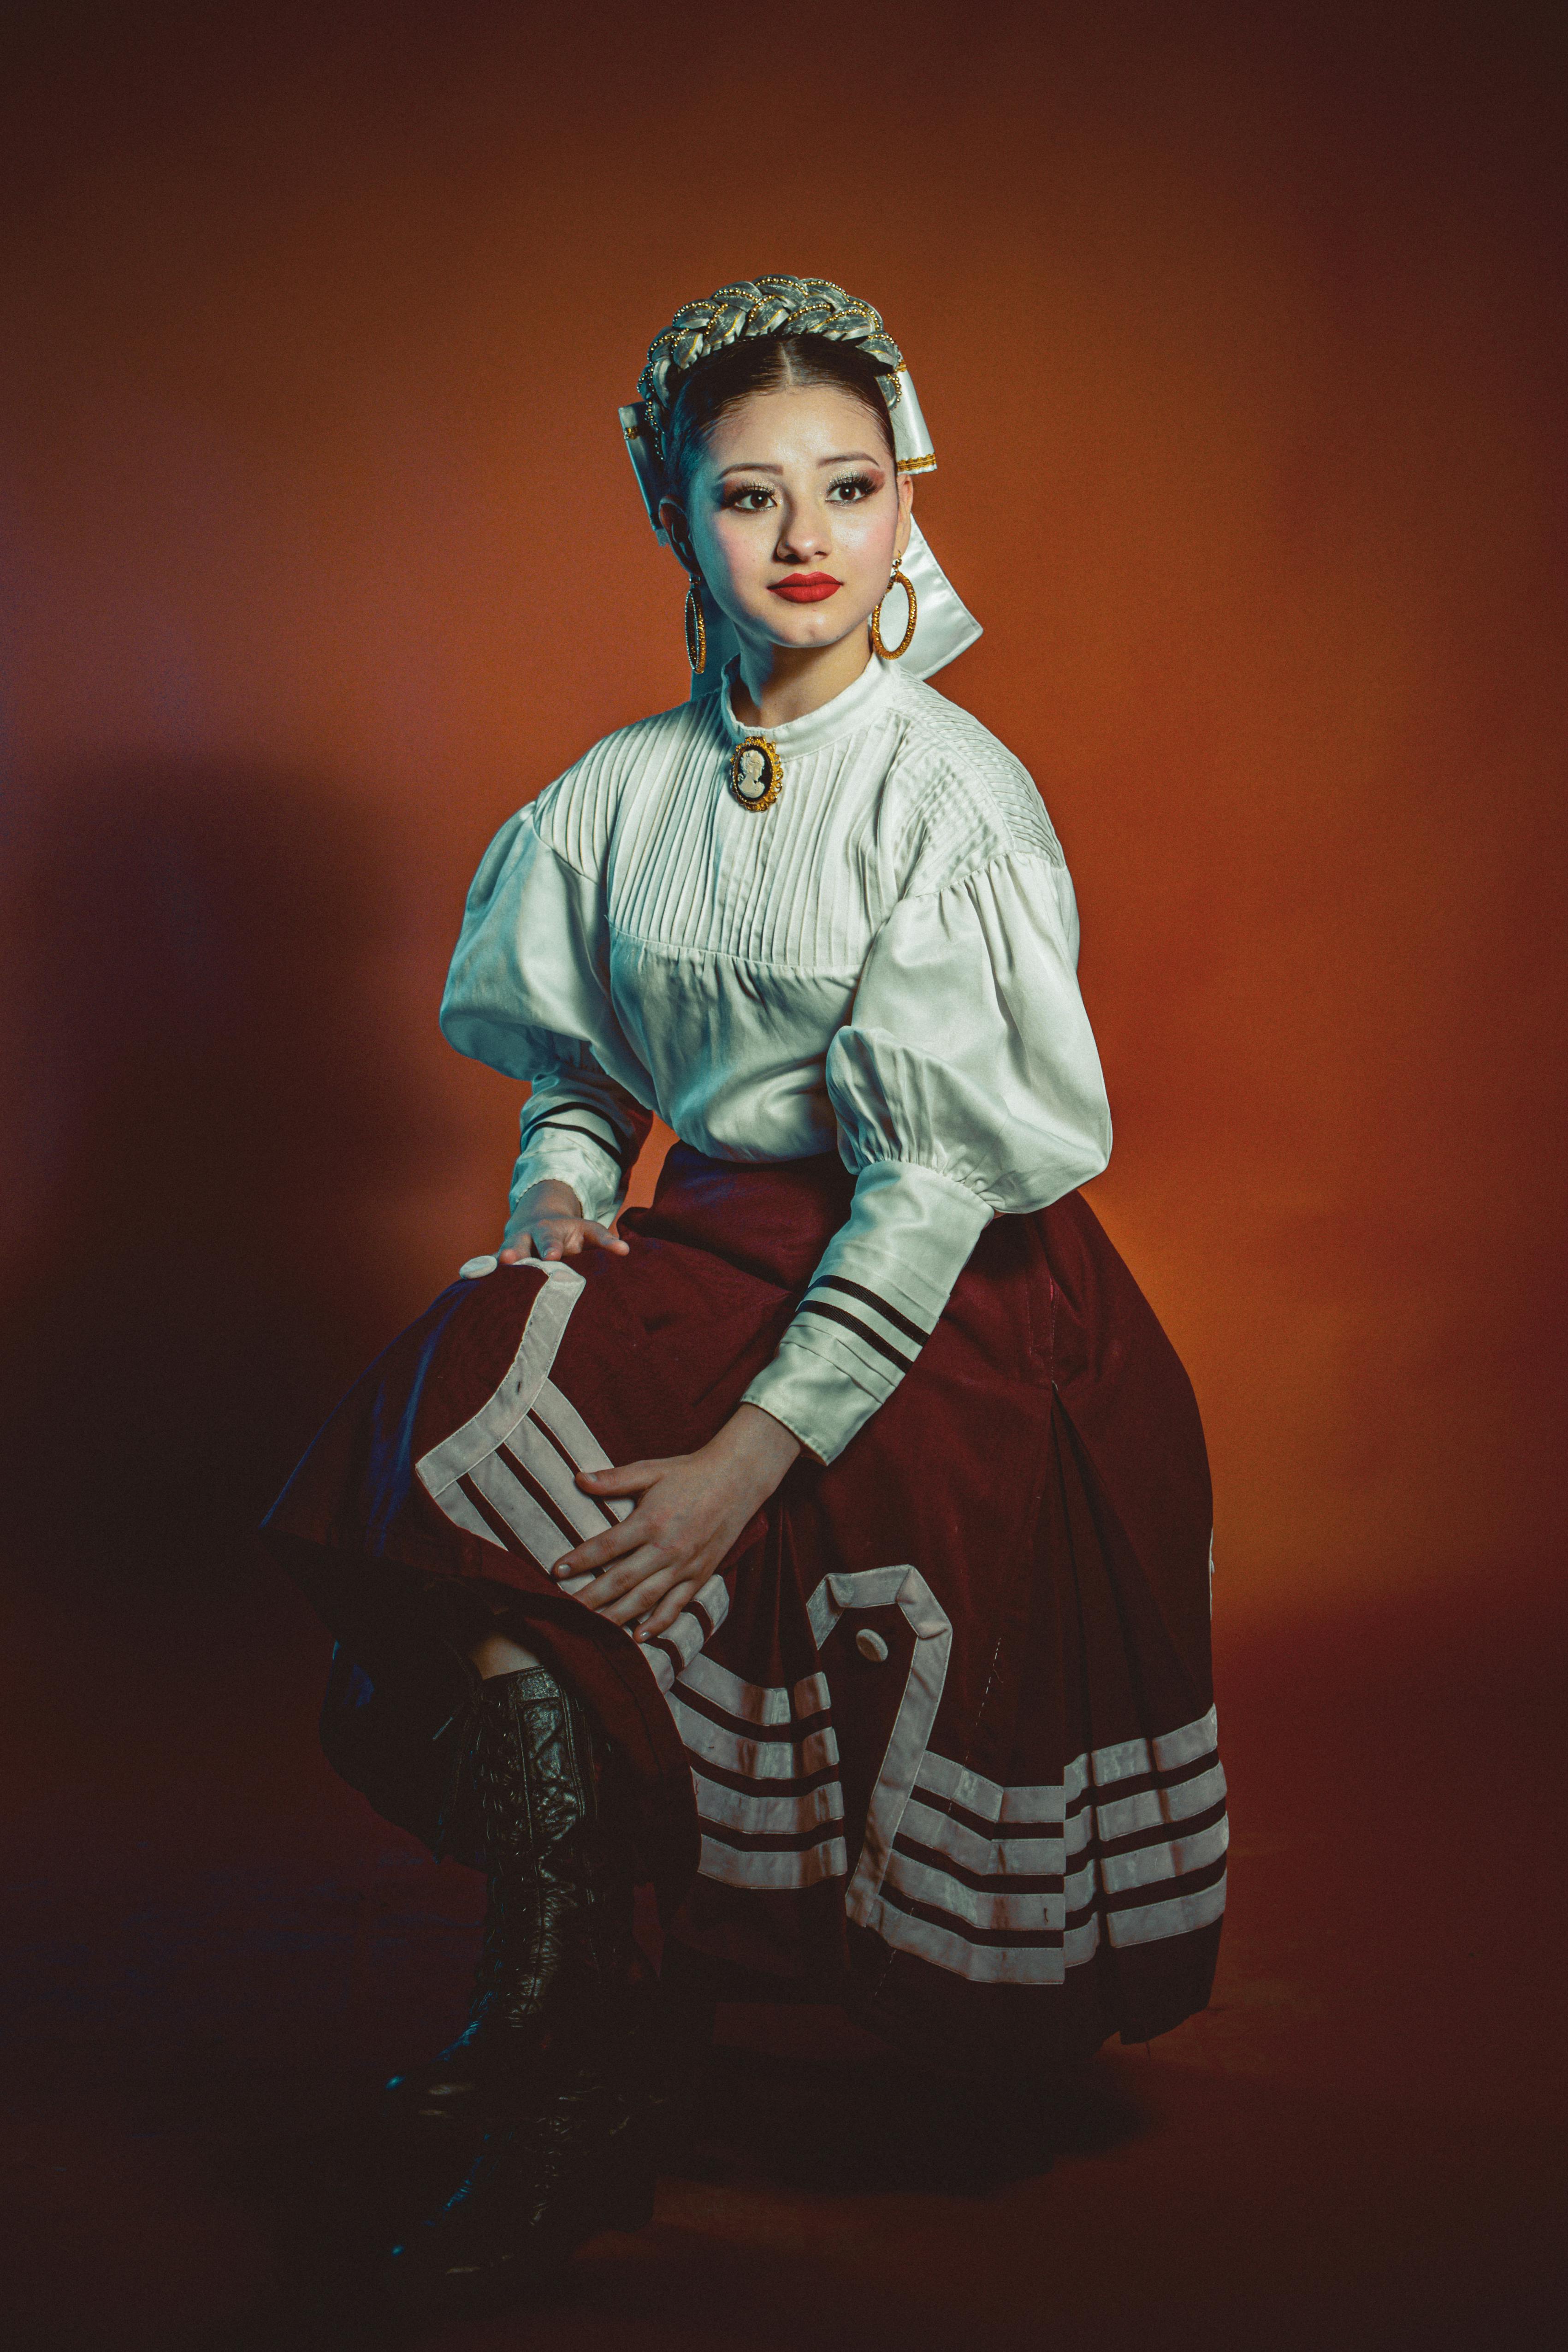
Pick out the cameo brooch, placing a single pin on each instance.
(755, 772)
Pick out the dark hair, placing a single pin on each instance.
(762, 363)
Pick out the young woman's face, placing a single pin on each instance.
(794, 515)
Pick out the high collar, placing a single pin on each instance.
(846, 711)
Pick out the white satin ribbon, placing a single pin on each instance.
(943, 627)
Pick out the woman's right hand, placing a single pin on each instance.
(548, 1222)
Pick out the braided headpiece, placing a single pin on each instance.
(761, 306)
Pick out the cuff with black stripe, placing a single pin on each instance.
(873, 1303)
(822, 1395)
(572, 1139)
(573, 1115)
(843, 1355)
(871, 1320)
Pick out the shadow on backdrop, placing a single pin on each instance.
(208, 1098)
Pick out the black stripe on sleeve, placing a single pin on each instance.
(853, 1323)
(573, 1102)
(889, 1314)
(568, 1127)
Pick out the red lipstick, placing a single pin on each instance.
(806, 587)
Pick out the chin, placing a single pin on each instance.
(816, 634)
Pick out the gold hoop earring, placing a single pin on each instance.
(695, 629)
(899, 579)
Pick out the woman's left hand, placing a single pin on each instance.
(691, 1509)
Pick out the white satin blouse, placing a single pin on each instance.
(884, 963)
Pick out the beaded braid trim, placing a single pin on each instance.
(761, 306)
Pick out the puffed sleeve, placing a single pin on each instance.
(528, 992)
(967, 1085)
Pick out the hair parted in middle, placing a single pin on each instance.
(763, 363)
(755, 336)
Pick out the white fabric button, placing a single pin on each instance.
(473, 1267)
(871, 1645)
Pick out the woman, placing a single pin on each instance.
(831, 1544)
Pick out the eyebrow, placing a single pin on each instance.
(847, 457)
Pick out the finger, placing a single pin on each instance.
(629, 1608)
(669, 1609)
(617, 1542)
(627, 1479)
(601, 1236)
(624, 1577)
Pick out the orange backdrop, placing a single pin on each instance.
(1236, 330)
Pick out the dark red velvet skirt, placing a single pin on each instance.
(939, 1740)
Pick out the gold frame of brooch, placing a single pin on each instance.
(756, 773)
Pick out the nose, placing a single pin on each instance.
(803, 533)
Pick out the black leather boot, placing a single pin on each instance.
(559, 1960)
(574, 2159)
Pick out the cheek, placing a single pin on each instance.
(866, 533)
(732, 546)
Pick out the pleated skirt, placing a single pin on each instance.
(939, 1741)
